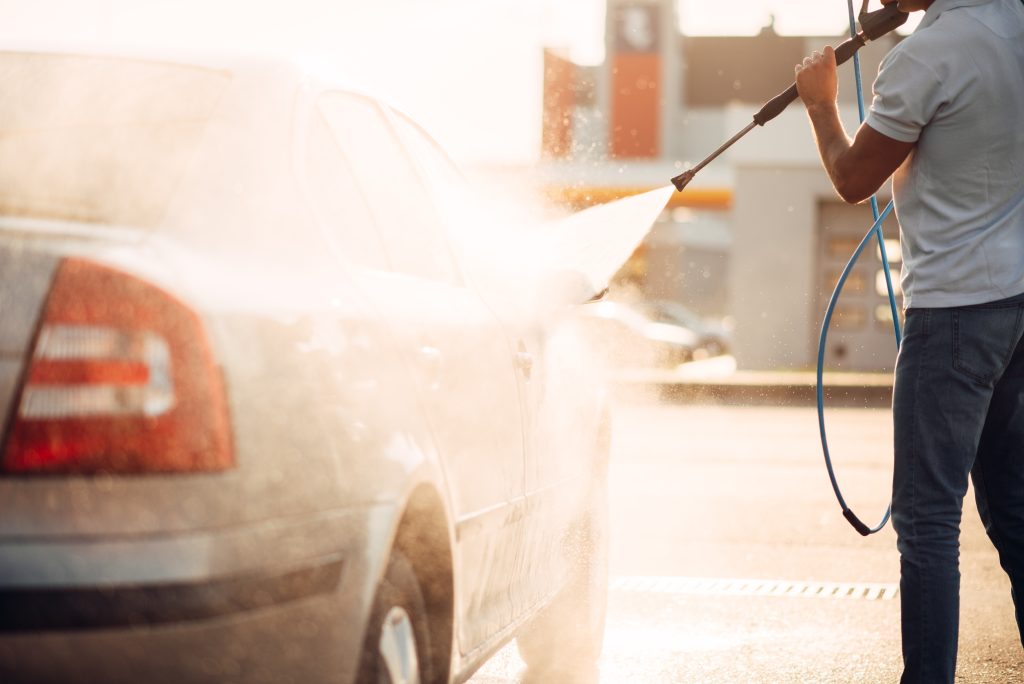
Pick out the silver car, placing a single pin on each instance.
(622, 337)
(262, 417)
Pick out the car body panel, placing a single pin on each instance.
(240, 645)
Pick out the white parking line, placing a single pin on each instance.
(718, 586)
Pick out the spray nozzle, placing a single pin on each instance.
(683, 179)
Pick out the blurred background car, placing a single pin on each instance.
(713, 336)
(260, 420)
(622, 337)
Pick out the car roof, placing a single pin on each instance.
(303, 69)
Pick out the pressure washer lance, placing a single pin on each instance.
(873, 26)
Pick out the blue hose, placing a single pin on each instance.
(876, 231)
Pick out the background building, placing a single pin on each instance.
(759, 235)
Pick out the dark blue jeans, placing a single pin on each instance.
(958, 409)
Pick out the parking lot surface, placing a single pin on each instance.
(731, 561)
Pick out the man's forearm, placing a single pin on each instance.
(857, 168)
(833, 146)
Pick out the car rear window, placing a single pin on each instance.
(98, 139)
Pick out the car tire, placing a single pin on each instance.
(397, 648)
(567, 637)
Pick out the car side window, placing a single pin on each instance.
(337, 200)
(440, 173)
(404, 212)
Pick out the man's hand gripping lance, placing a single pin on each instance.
(873, 25)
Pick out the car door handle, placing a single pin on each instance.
(524, 363)
(431, 361)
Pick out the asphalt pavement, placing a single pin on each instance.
(731, 561)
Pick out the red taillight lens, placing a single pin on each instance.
(121, 380)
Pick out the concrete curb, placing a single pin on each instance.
(758, 388)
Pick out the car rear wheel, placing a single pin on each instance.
(568, 636)
(397, 647)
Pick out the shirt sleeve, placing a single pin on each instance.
(907, 95)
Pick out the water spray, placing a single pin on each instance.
(873, 25)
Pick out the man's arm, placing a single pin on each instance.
(858, 167)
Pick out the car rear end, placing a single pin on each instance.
(160, 512)
(120, 490)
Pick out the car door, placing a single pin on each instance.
(463, 367)
(555, 383)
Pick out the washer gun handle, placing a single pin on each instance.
(874, 25)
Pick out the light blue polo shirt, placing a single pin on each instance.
(956, 87)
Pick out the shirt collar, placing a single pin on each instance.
(940, 6)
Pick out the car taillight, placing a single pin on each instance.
(121, 380)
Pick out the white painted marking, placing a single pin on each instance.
(707, 586)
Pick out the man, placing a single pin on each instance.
(948, 120)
